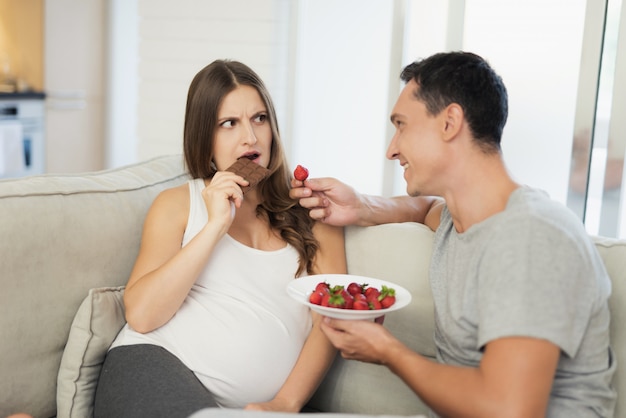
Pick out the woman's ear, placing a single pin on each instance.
(453, 120)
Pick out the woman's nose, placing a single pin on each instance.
(249, 136)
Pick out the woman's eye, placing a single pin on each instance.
(260, 118)
(227, 124)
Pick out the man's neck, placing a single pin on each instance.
(479, 192)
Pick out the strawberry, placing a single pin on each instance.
(322, 287)
(387, 301)
(372, 293)
(301, 173)
(335, 290)
(348, 299)
(316, 297)
(374, 304)
(336, 300)
(387, 297)
(360, 296)
(360, 305)
(354, 296)
(355, 288)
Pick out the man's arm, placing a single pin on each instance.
(423, 209)
(514, 377)
(513, 380)
(336, 203)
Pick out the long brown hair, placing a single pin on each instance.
(206, 92)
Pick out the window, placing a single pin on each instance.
(562, 63)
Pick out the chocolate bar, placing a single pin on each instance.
(250, 171)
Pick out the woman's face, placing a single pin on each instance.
(243, 129)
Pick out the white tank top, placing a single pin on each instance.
(237, 330)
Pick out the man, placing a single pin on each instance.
(521, 313)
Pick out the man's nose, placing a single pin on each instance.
(392, 151)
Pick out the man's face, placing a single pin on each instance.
(416, 143)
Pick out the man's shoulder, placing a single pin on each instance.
(536, 206)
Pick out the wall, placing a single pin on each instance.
(342, 89)
(75, 76)
(177, 39)
(330, 78)
(121, 90)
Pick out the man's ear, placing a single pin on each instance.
(453, 121)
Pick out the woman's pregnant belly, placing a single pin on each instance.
(241, 346)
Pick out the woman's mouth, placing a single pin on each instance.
(251, 157)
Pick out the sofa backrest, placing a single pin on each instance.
(613, 252)
(62, 235)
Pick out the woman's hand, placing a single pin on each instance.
(223, 196)
(276, 404)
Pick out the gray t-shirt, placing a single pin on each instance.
(530, 270)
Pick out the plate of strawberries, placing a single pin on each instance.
(347, 296)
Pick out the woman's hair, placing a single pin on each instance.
(206, 93)
(468, 80)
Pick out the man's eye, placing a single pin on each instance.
(227, 124)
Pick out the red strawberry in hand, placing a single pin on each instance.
(301, 173)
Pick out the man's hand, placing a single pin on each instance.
(329, 200)
(360, 340)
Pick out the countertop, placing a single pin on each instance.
(23, 95)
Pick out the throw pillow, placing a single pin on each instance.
(99, 319)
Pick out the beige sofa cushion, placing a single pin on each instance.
(399, 253)
(95, 326)
(613, 253)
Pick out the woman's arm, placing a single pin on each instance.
(164, 272)
(317, 353)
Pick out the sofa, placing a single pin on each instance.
(68, 245)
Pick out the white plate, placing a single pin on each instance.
(301, 288)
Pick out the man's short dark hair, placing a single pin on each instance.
(468, 80)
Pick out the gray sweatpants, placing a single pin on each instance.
(145, 380)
